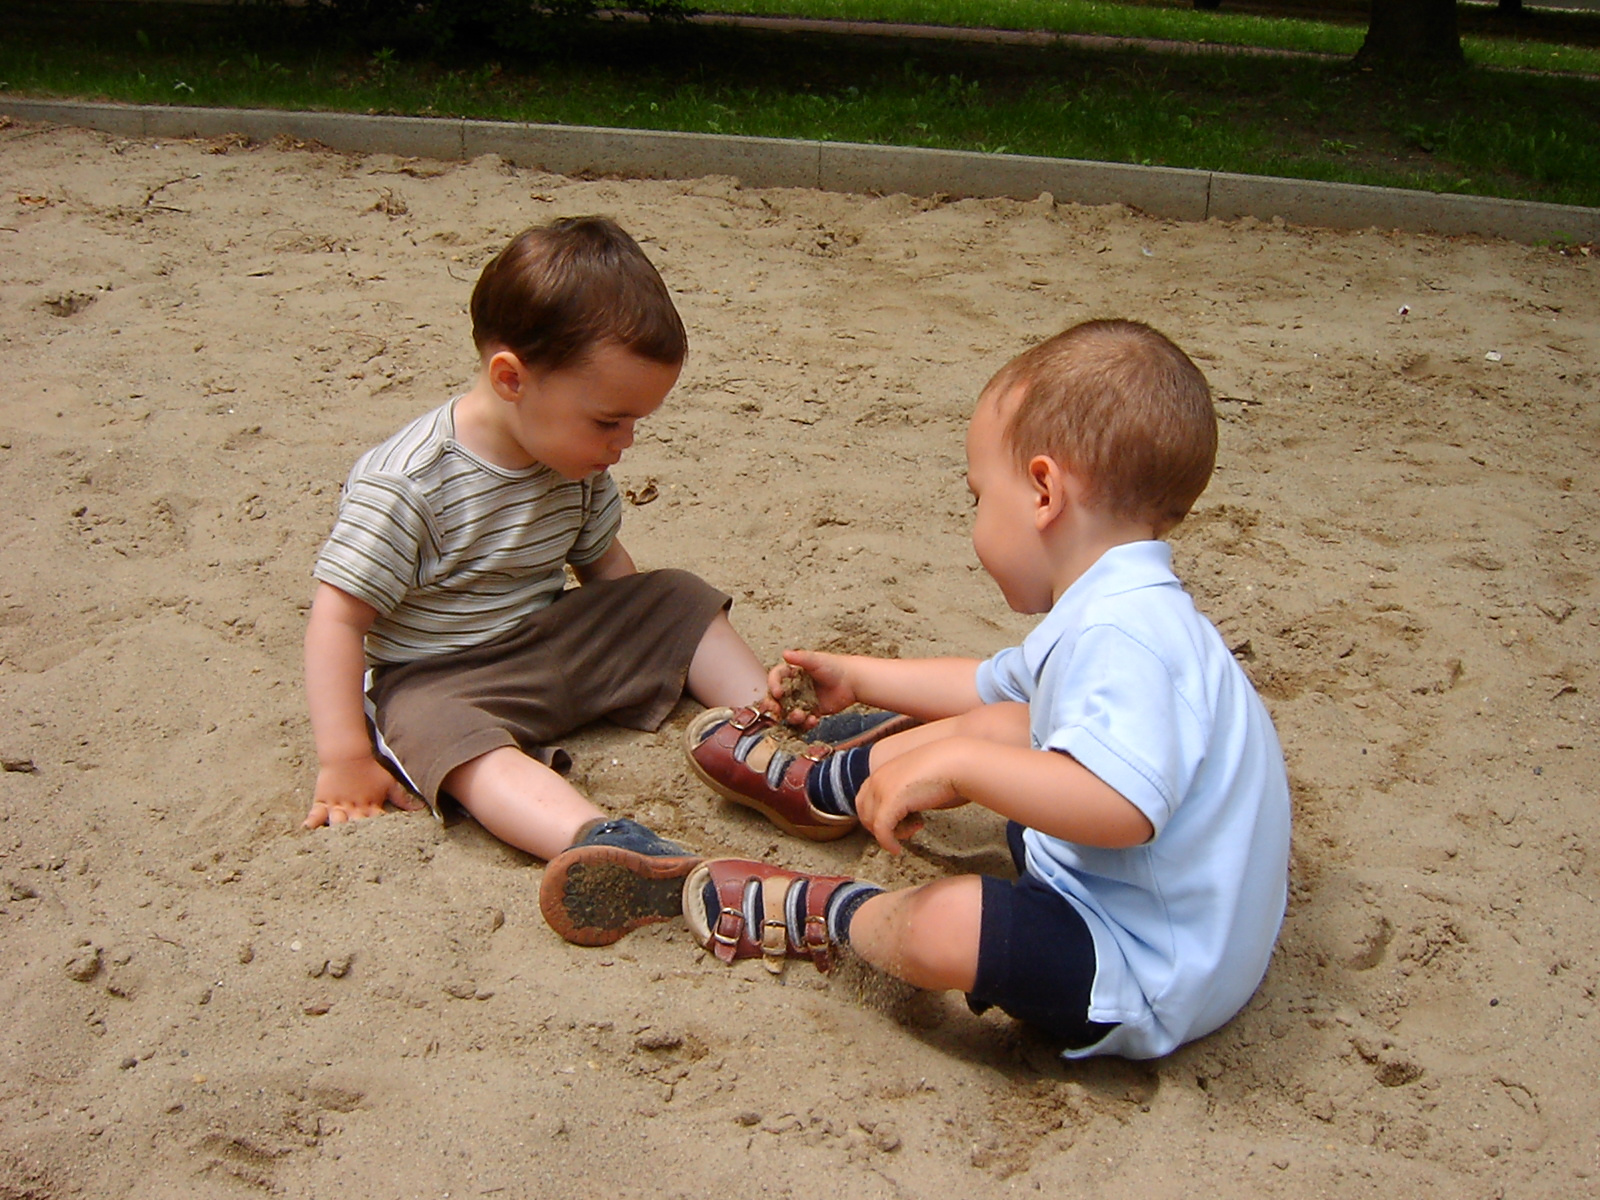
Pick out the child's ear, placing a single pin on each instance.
(507, 376)
(1054, 489)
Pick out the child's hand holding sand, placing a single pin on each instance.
(809, 684)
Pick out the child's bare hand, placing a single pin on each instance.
(894, 795)
(833, 689)
(793, 697)
(349, 791)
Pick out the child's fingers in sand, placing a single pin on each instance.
(894, 795)
(354, 791)
(905, 786)
(884, 821)
(339, 812)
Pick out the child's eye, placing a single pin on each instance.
(609, 425)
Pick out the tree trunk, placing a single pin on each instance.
(1420, 32)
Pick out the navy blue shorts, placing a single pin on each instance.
(1035, 956)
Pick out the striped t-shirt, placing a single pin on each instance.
(452, 550)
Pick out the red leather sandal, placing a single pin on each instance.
(710, 741)
(734, 931)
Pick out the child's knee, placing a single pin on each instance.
(942, 924)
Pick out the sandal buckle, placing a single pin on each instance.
(745, 719)
(775, 946)
(736, 919)
(818, 948)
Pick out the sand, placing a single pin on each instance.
(204, 1000)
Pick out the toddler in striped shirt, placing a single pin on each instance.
(445, 655)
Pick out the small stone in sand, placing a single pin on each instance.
(84, 964)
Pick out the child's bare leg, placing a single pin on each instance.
(521, 801)
(725, 672)
(927, 936)
(527, 805)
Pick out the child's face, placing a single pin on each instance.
(577, 420)
(1005, 529)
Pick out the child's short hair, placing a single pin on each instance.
(559, 290)
(1119, 404)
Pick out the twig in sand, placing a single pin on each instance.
(150, 196)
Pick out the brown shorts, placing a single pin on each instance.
(617, 648)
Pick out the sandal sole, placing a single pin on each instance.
(830, 828)
(595, 895)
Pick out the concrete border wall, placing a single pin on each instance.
(1177, 194)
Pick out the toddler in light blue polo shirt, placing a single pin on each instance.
(1146, 799)
(1126, 677)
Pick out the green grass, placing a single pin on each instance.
(1484, 132)
(1070, 16)
(1150, 21)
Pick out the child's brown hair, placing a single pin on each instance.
(559, 290)
(1121, 406)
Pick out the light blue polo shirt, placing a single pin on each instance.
(1128, 678)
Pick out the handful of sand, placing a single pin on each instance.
(799, 692)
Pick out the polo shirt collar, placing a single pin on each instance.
(1121, 569)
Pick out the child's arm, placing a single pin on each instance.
(926, 688)
(351, 782)
(1043, 789)
(613, 564)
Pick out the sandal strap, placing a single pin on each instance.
(747, 718)
(732, 937)
(746, 721)
(729, 936)
(774, 922)
(815, 944)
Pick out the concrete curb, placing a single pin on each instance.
(1174, 193)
